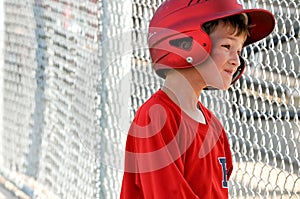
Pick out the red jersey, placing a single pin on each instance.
(170, 155)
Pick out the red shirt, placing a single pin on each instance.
(170, 155)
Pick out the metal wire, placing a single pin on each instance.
(75, 72)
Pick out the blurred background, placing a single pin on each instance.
(73, 74)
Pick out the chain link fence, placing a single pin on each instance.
(75, 72)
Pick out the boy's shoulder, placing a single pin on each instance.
(157, 106)
(159, 97)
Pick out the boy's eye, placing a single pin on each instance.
(226, 46)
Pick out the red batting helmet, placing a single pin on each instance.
(177, 40)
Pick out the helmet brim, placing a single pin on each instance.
(261, 23)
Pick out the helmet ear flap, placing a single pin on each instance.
(239, 71)
(179, 49)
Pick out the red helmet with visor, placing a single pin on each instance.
(177, 40)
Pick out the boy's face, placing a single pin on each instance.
(224, 60)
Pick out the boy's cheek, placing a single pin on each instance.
(210, 74)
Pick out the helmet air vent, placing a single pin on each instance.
(184, 43)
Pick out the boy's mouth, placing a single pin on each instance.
(229, 71)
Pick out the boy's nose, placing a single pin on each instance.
(235, 59)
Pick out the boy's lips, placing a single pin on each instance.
(229, 71)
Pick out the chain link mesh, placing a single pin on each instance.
(75, 72)
(50, 74)
(265, 131)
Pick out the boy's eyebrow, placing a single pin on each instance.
(234, 38)
(231, 37)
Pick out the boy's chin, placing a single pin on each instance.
(220, 85)
(221, 88)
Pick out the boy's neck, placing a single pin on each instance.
(184, 94)
(182, 87)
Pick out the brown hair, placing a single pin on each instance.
(239, 24)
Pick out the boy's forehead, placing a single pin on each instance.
(227, 31)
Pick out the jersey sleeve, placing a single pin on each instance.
(154, 160)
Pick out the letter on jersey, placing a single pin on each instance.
(222, 161)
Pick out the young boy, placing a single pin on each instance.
(176, 148)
